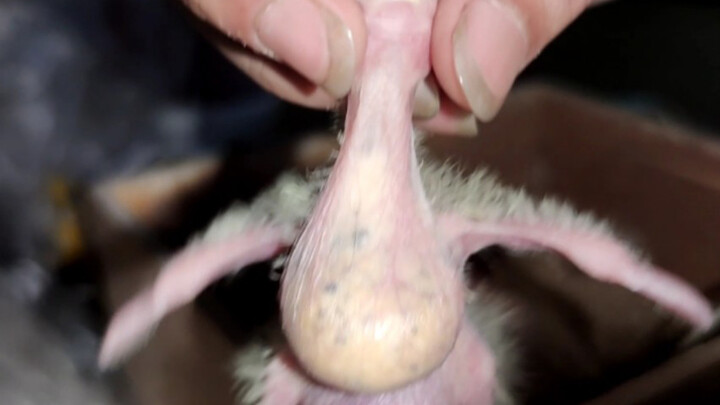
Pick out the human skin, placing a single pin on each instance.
(308, 51)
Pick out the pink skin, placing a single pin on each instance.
(375, 190)
(597, 255)
(379, 138)
(180, 281)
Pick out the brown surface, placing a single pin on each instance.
(659, 184)
(690, 378)
(567, 334)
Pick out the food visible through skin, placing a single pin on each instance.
(371, 300)
(466, 377)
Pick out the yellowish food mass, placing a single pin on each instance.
(378, 315)
(373, 340)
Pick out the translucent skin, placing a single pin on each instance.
(466, 377)
(371, 300)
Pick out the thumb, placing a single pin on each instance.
(480, 46)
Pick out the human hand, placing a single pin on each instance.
(307, 51)
(479, 47)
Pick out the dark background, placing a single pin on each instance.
(660, 55)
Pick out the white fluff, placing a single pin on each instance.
(476, 196)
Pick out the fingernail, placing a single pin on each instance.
(310, 39)
(467, 126)
(427, 99)
(451, 121)
(490, 48)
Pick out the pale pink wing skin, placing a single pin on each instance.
(181, 280)
(596, 253)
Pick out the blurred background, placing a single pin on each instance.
(91, 89)
(661, 57)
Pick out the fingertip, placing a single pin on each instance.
(480, 46)
(279, 79)
(427, 99)
(450, 120)
(322, 41)
(347, 46)
(490, 48)
(311, 38)
(455, 59)
(442, 57)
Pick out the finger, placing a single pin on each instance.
(277, 78)
(436, 114)
(321, 40)
(480, 46)
(449, 120)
